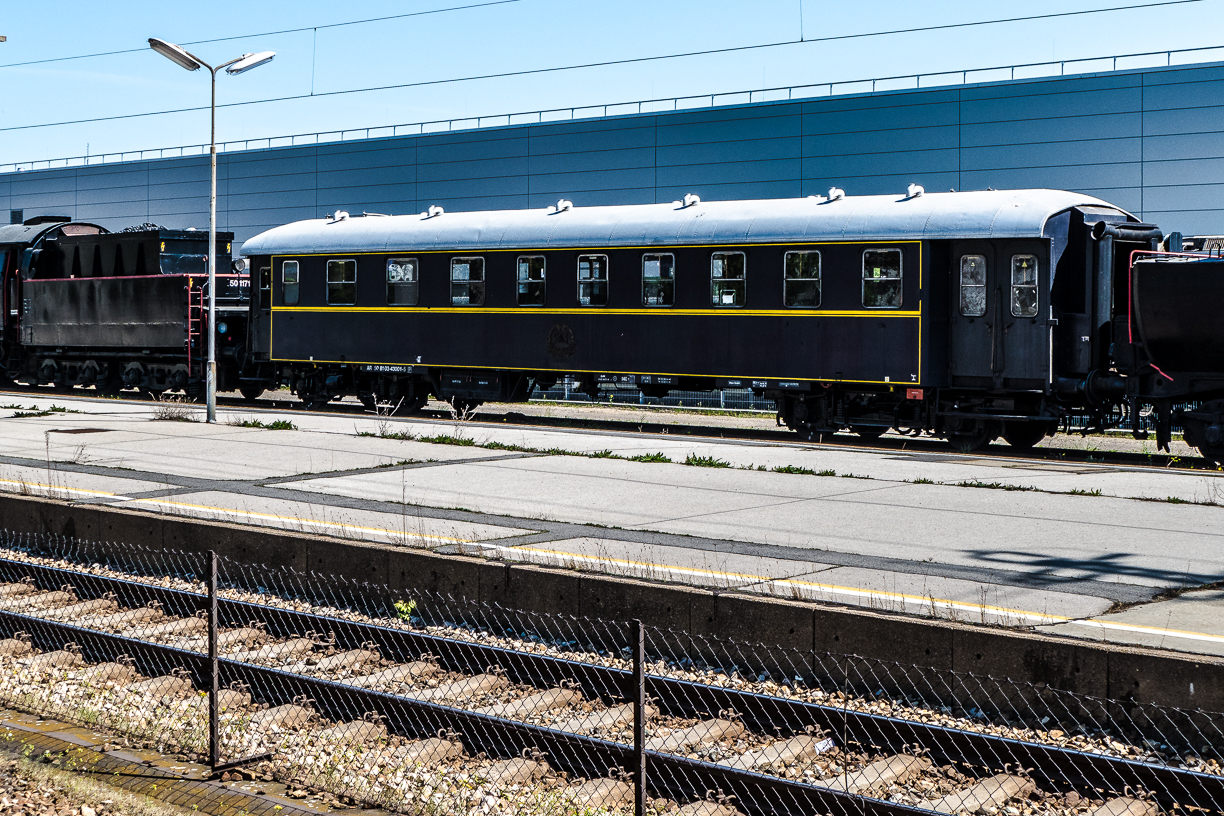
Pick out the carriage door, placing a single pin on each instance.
(997, 297)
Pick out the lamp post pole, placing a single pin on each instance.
(189, 61)
(210, 386)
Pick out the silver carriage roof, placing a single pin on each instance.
(985, 214)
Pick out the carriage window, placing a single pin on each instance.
(342, 283)
(882, 279)
(802, 290)
(1024, 286)
(593, 280)
(289, 282)
(467, 281)
(531, 280)
(659, 279)
(973, 285)
(403, 287)
(727, 278)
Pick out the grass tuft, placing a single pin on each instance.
(649, 457)
(799, 471)
(706, 461)
(996, 486)
(274, 425)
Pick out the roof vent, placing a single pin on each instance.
(691, 200)
(45, 219)
(914, 190)
(835, 193)
(433, 212)
(564, 205)
(340, 215)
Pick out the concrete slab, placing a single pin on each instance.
(935, 596)
(652, 561)
(73, 486)
(1193, 621)
(407, 529)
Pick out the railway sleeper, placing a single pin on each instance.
(987, 794)
(612, 717)
(122, 620)
(706, 808)
(39, 601)
(1125, 806)
(702, 733)
(601, 793)
(109, 673)
(534, 704)
(783, 752)
(882, 772)
(402, 673)
(14, 647)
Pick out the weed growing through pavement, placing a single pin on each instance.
(274, 425)
(173, 408)
(1075, 491)
(920, 480)
(798, 471)
(35, 412)
(996, 486)
(706, 461)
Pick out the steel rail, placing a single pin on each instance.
(1062, 767)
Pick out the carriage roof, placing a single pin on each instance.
(983, 214)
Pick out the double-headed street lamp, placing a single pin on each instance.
(180, 56)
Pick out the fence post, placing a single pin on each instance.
(214, 737)
(639, 718)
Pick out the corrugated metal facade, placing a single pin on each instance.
(1151, 141)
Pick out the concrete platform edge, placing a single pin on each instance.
(1107, 671)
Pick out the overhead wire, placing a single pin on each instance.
(269, 33)
(608, 63)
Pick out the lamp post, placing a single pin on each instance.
(181, 57)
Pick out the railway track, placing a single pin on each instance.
(399, 709)
(909, 445)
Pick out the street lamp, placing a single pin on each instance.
(181, 57)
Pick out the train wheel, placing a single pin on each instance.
(1205, 431)
(410, 405)
(1024, 435)
(464, 408)
(250, 393)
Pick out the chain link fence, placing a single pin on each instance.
(427, 703)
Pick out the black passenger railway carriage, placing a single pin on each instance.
(969, 315)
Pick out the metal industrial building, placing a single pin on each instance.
(1150, 140)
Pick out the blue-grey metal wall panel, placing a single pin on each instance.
(1149, 140)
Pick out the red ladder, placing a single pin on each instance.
(196, 322)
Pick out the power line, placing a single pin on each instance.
(607, 63)
(269, 33)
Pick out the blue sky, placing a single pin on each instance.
(513, 36)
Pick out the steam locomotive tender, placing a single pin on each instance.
(86, 307)
(967, 315)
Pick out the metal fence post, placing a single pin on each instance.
(639, 718)
(214, 735)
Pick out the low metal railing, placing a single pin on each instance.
(901, 82)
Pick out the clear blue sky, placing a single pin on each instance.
(514, 36)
